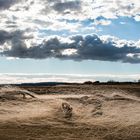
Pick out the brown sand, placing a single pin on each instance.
(98, 114)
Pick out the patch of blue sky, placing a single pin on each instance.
(57, 66)
(123, 28)
(49, 32)
(86, 28)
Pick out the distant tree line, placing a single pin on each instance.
(110, 82)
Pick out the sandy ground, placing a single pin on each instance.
(96, 115)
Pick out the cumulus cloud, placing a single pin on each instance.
(78, 48)
(15, 41)
(67, 5)
(4, 36)
(6, 4)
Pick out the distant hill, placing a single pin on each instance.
(42, 84)
(45, 84)
(65, 83)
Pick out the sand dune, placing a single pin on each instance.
(114, 115)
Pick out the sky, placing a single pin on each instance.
(69, 40)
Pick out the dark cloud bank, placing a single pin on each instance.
(6, 4)
(89, 47)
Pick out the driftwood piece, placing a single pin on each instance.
(24, 93)
(11, 93)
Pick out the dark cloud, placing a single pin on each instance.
(10, 36)
(68, 5)
(16, 40)
(4, 36)
(89, 47)
(63, 7)
(5, 4)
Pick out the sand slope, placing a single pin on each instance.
(113, 115)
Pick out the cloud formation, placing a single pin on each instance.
(52, 14)
(78, 48)
(28, 24)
